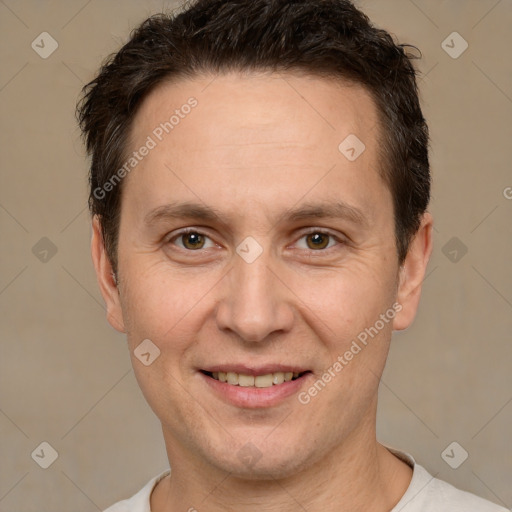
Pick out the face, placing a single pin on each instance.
(250, 243)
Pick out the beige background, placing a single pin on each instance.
(65, 375)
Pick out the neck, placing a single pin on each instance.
(358, 474)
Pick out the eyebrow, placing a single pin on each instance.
(336, 210)
(183, 210)
(192, 210)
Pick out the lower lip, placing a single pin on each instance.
(253, 397)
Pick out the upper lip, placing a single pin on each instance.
(254, 370)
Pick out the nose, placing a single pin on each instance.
(256, 303)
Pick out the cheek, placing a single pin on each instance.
(347, 310)
(159, 301)
(163, 308)
(347, 300)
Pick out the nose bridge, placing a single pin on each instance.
(254, 305)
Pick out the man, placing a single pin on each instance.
(259, 191)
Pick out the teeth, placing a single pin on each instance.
(278, 378)
(232, 378)
(245, 380)
(261, 381)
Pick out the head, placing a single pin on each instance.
(287, 140)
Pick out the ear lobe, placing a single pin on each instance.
(412, 273)
(105, 277)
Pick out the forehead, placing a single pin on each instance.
(268, 101)
(276, 134)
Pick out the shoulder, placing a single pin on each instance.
(434, 495)
(429, 494)
(139, 502)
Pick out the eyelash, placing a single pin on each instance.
(186, 231)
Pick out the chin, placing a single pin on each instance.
(276, 468)
(275, 460)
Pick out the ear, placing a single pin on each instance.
(412, 274)
(106, 281)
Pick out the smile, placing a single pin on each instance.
(258, 381)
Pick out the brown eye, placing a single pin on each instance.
(317, 240)
(192, 240)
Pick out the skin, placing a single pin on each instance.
(256, 146)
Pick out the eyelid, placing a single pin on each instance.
(341, 240)
(170, 237)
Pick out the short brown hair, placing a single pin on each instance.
(330, 38)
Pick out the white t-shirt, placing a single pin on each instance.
(424, 494)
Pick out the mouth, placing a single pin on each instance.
(248, 387)
(266, 380)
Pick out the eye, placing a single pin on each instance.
(191, 240)
(319, 240)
